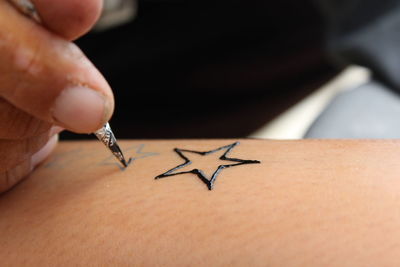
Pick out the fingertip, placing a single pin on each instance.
(82, 110)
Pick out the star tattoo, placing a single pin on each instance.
(139, 154)
(200, 173)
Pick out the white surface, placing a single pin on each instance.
(293, 123)
(115, 13)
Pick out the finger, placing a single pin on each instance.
(69, 19)
(10, 178)
(44, 152)
(18, 125)
(13, 153)
(50, 78)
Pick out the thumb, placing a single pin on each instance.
(49, 77)
(69, 19)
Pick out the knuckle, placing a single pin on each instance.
(10, 155)
(17, 124)
(13, 153)
(31, 145)
(27, 60)
(10, 178)
(22, 68)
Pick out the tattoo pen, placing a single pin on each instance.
(105, 134)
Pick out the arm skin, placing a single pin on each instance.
(309, 203)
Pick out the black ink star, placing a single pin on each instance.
(139, 155)
(209, 182)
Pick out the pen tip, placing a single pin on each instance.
(126, 163)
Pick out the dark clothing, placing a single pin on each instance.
(215, 69)
(186, 69)
(367, 33)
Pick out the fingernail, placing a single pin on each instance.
(81, 109)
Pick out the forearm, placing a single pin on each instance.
(321, 203)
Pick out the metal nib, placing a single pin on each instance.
(27, 8)
(106, 136)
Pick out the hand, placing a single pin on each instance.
(46, 83)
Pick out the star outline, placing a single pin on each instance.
(200, 174)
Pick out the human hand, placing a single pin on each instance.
(46, 83)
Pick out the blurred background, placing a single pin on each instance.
(249, 68)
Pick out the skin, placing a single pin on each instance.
(38, 65)
(309, 203)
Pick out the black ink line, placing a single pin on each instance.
(139, 151)
(209, 182)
